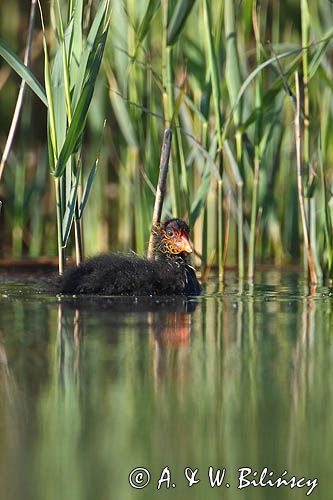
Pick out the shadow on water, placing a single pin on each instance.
(92, 388)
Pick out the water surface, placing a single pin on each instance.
(92, 388)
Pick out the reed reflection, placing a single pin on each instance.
(167, 325)
(57, 463)
(233, 380)
(68, 342)
(12, 421)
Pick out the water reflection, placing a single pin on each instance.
(92, 388)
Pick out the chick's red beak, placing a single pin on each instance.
(183, 243)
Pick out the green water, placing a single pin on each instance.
(91, 389)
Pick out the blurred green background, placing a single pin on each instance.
(196, 65)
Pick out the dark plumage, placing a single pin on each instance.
(117, 274)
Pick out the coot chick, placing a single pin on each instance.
(118, 274)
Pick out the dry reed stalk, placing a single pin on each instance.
(309, 254)
(227, 229)
(20, 96)
(160, 191)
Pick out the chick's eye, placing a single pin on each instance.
(169, 232)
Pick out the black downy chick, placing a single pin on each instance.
(117, 274)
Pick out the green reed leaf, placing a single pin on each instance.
(213, 71)
(232, 70)
(59, 101)
(201, 194)
(70, 209)
(49, 93)
(121, 112)
(87, 56)
(178, 20)
(319, 53)
(328, 225)
(250, 79)
(87, 188)
(75, 49)
(23, 71)
(145, 25)
(79, 118)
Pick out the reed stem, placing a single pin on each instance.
(160, 191)
(78, 238)
(61, 253)
(227, 228)
(169, 108)
(240, 217)
(240, 236)
(312, 269)
(305, 28)
(253, 219)
(257, 137)
(220, 228)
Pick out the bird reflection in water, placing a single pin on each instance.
(170, 336)
(176, 330)
(167, 322)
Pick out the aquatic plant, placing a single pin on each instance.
(225, 85)
(69, 87)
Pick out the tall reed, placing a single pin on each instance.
(69, 87)
(229, 96)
